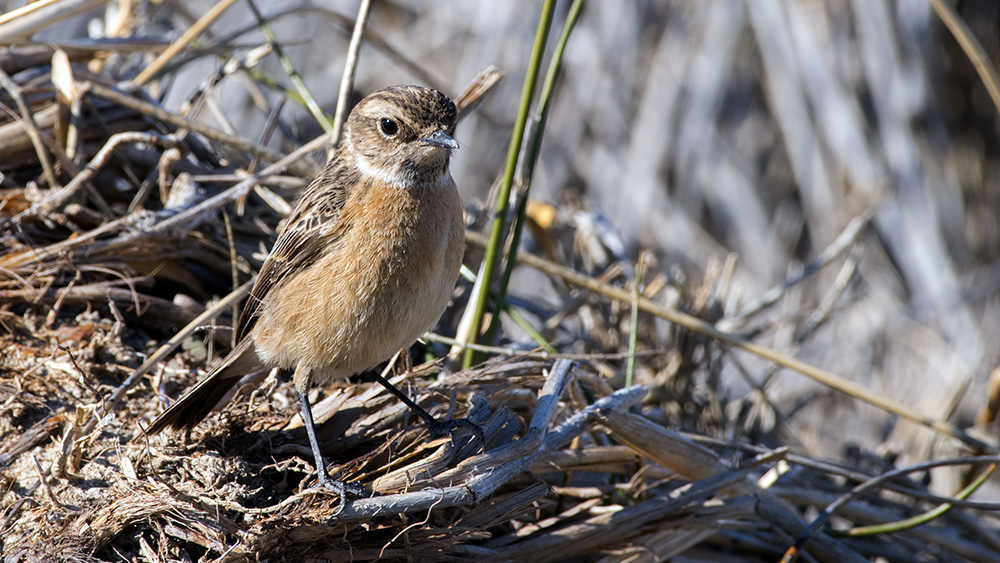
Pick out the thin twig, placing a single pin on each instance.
(843, 471)
(541, 354)
(633, 326)
(163, 351)
(236, 191)
(211, 133)
(19, 25)
(875, 482)
(28, 121)
(55, 200)
(350, 68)
(293, 75)
(843, 241)
(919, 519)
(182, 42)
(973, 49)
(25, 10)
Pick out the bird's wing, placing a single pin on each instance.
(307, 234)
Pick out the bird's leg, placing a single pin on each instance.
(437, 427)
(323, 477)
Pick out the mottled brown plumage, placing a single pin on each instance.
(364, 264)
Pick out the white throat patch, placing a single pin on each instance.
(393, 177)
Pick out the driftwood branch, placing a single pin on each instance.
(492, 470)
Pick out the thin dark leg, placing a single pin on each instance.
(437, 428)
(324, 478)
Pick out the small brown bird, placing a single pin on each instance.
(366, 262)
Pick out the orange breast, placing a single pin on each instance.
(388, 280)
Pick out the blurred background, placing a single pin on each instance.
(738, 143)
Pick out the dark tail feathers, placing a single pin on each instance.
(187, 411)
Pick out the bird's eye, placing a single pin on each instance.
(388, 127)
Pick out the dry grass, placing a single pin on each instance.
(837, 210)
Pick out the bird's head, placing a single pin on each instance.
(403, 135)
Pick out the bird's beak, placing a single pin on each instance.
(441, 139)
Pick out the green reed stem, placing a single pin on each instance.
(527, 169)
(496, 238)
(918, 520)
(633, 336)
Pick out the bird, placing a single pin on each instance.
(364, 264)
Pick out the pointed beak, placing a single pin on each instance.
(440, 139)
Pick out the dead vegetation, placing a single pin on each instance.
(125, 227)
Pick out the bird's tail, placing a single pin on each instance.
(198, 401)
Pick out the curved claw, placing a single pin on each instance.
(341, 489)
(336, 487)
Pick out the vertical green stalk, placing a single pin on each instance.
(634, 324)
(495, 246)
(528, 166)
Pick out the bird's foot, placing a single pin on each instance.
(340, 488)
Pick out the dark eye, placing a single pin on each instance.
(388, 127)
